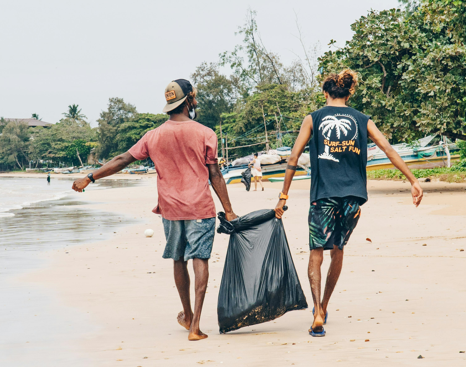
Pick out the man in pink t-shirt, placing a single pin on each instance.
(184, 153)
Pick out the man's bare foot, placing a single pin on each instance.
(182, 320)
(194, 336)
(318, 324)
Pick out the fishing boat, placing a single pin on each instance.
(63, 170)
(295, 178)
(76, 170)
(420, 154)
(137, 171)
(428, 152)
(273, 165)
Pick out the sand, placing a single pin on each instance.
(400, 295)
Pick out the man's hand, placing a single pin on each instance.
(81, 184)
(417, 193)
(279, 209)
(230, 216)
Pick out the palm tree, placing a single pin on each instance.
(74, 112)
(330, 123)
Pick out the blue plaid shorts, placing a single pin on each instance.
(189, 239)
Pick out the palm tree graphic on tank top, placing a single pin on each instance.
(341, 127)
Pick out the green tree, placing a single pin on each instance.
(14, 144)
(215, 93)
(74, 113)
(77, 149)
(412, 68)
(133, 130)
(35, 116)
(410, 5)
(261, 93)
(118, 113)
(251, 63)
(273, 106)
(66, 141)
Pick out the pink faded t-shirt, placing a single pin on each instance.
(180, 152)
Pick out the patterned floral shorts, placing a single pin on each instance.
(332, 221)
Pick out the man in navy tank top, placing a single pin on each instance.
(337, 137)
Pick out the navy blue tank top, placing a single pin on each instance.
(338, 150)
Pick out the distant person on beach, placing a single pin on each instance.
(256, 171)
(184, 153)
(338, 152)
(48, 178)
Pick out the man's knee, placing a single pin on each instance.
(180, 263)
(336, 252)
(317, 255)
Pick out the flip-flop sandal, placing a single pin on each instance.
(326, 315)
(317, 334)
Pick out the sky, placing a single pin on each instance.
(61, 52)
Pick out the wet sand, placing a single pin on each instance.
(400, 296)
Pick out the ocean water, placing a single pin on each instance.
(35, 217)
(39, 217)
(17, 193)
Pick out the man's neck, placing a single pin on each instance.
(337, 102)
(179, 117)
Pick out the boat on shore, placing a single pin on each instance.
(421, 154)
(63, 170)
(136, 171)
(273, 165)
(428, 152)
(295, 178)
(232, 175)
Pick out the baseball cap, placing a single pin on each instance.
(176, 93)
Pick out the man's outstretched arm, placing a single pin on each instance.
(378, 138)
(220, 188)
(108, 169)
(298, 148)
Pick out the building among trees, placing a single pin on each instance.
(32, 122)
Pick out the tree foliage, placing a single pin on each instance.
(110, 122)
(216, 93)
(74, 113)
(14, 143)
(259, 93)
(412, 68)
(121, 126)
(70, 141)
(134, 129)
(66, 141)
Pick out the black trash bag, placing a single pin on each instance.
(246, 179)
(259, 281)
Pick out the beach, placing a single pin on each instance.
(400, 297)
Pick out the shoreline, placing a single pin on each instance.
(62, 194)
(60, 176)
(127, 290)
